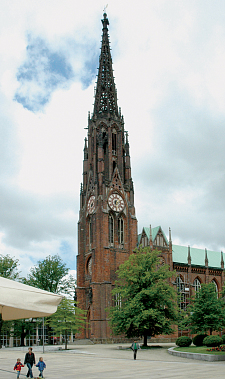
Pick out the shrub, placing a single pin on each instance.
(198, 339)
(223, 338)
(212, 341)
(183, 341)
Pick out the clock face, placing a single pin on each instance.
(116, 202)
(91, 204)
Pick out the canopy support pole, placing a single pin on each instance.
(43, 329)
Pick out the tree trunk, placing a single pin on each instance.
(49, 333)
(66, 340)
(23, 335)
(210, 331)
(145, 340)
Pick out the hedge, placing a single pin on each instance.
(198, 339)
(183, 341)
(212, 341)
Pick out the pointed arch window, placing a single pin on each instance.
(197, 285)
(216, 286)
(183, 294)
(90, 232)
(118, 300)
(144, 241)
(160, 240)
(179, 283)
(114, 141)
(121, 230)
(111, 229)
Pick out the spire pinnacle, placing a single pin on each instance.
(105, 96)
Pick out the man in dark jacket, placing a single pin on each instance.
(29, 361)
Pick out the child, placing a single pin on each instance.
(41, 365)
(18, 366)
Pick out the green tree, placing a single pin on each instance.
(7, 327)
(22, 329)
(68, 318)
(8, 269)
(50, 274)
(146, 303)
(206, 313)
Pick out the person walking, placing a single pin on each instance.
(18, 366)
(41, 365)
(29, 361)
(135, 346)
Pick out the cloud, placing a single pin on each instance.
(45, 70)
(42, 72)
(169, 61)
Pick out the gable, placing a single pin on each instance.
(158, 237)
(116, 183)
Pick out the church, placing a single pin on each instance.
(107, 226)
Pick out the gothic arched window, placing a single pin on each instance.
(118, 300)
(114, 141)
(120, 230)
(179, 283)
(216, 286)
(197, 285)
(111, 230)
(183, 295)
(90, 232)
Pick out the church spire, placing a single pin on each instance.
(106, 96)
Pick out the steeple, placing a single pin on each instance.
(107, 227)
(105, 96)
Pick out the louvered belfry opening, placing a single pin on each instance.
(105, 97)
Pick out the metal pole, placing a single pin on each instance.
(43, 330)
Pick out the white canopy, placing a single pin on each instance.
(18, 300)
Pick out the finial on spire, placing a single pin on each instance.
(170, 239)
(105, 8)
(206, 259)
(150, 232)
(222, 260)
(105, 21)
(189, 254)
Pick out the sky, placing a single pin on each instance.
(169, 66)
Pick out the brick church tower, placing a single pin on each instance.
(107, 227)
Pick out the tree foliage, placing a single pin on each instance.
(148, 302)
(206, 312)
(49, 275)
(23, 328)
(68, 318)
(9, 267)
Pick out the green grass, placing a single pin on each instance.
(151, 347)
(199, 350)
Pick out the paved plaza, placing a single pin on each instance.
(107, 361)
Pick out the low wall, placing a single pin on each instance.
(201, 357)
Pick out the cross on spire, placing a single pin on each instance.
(105, 96)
